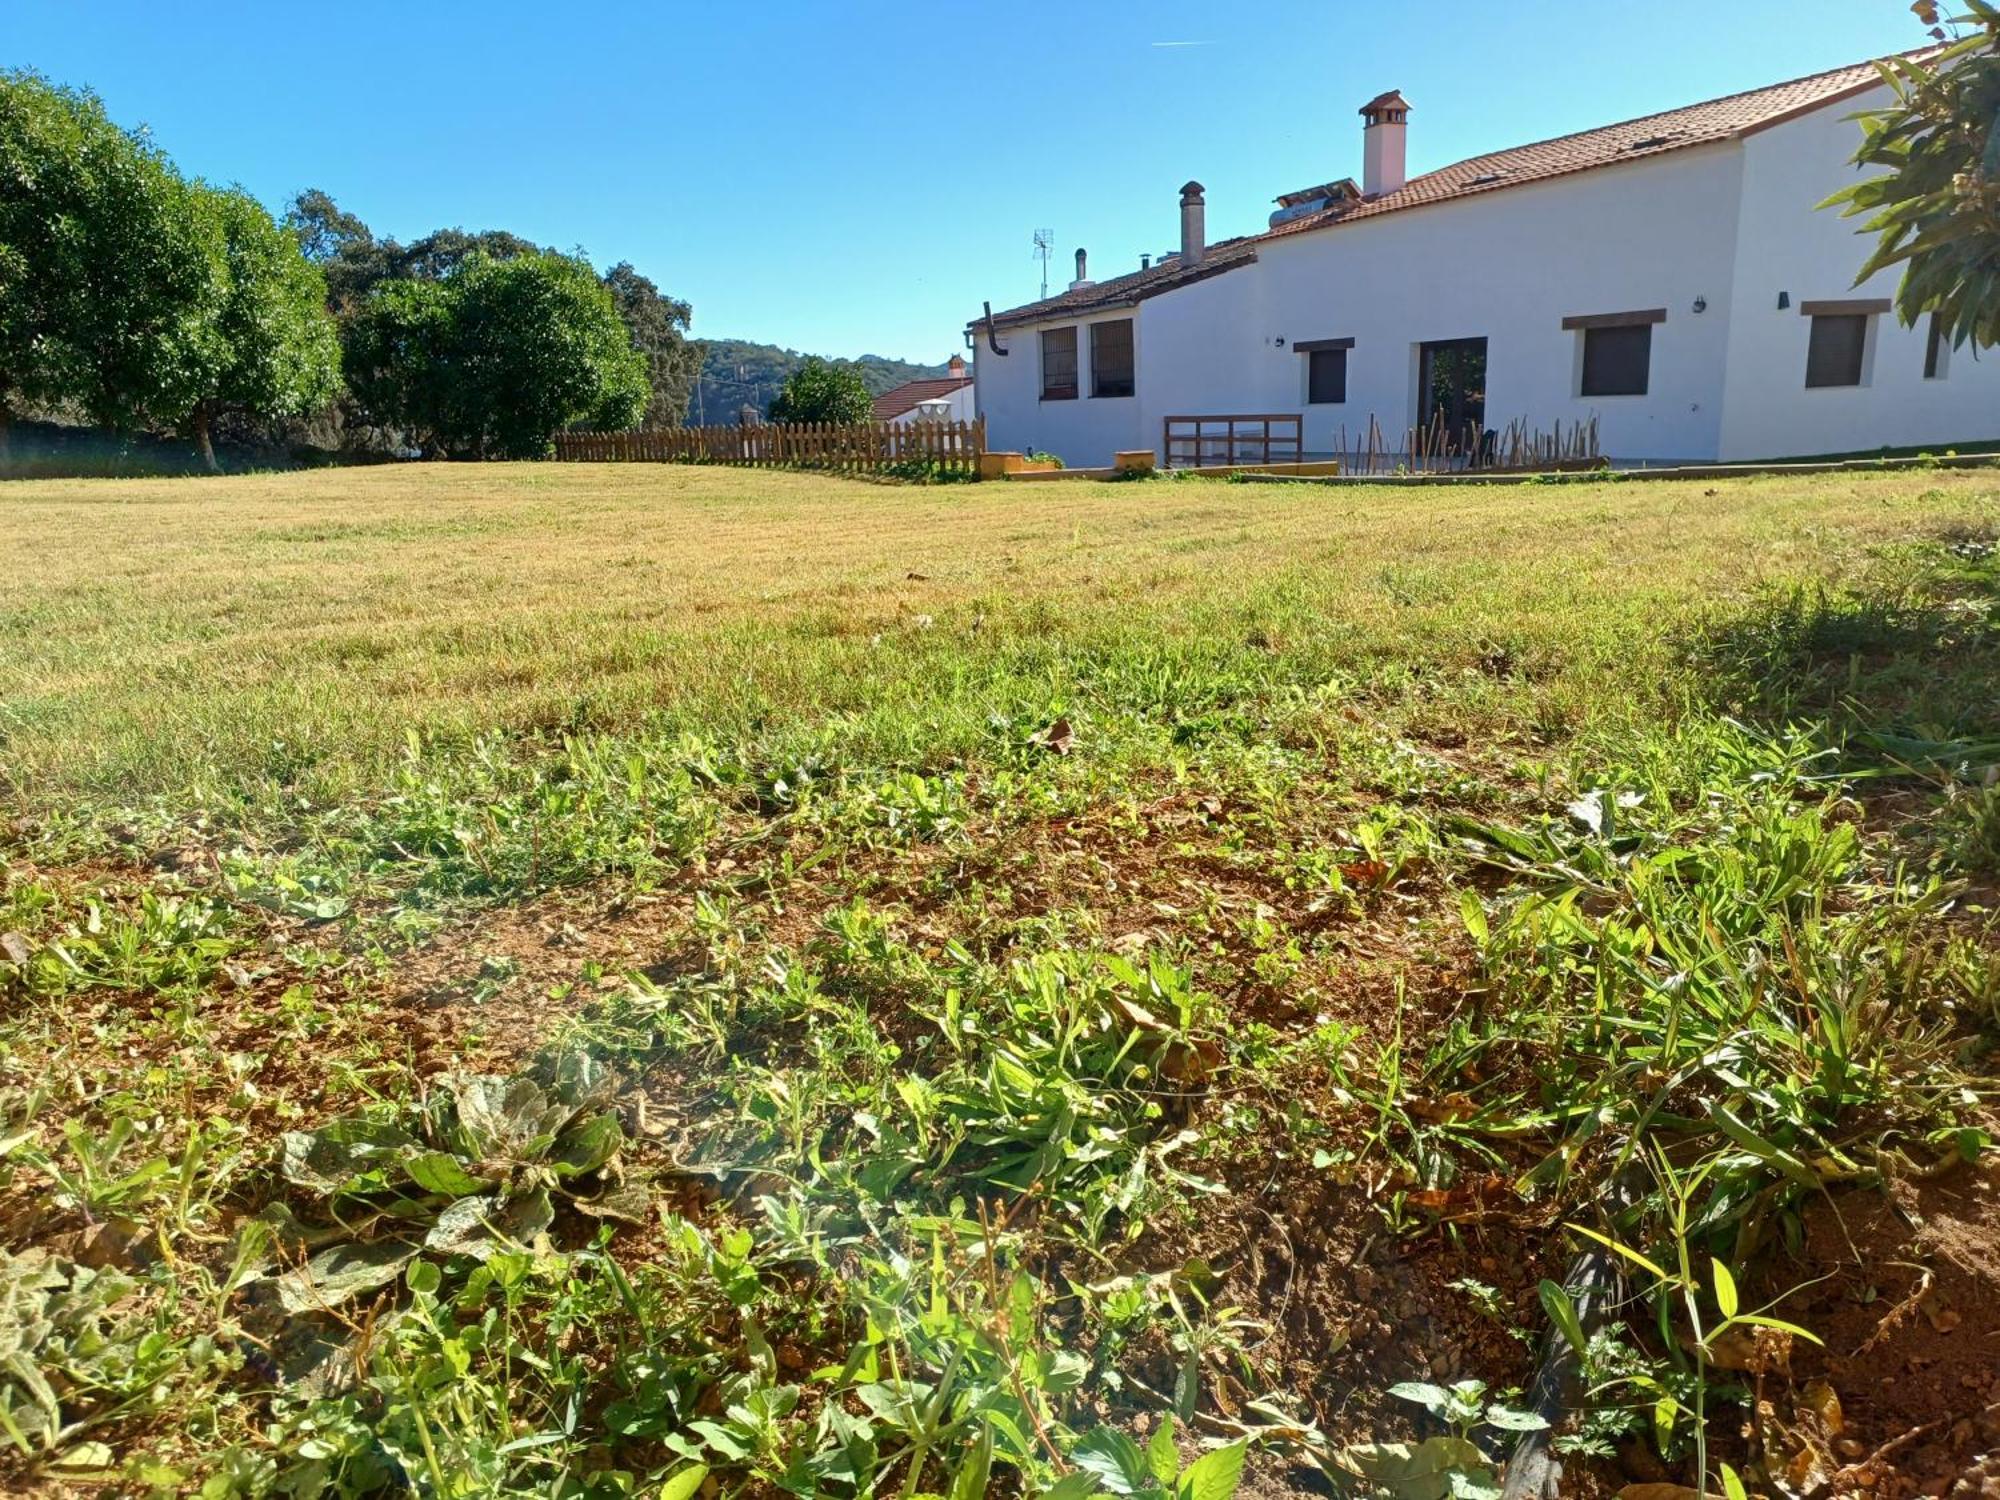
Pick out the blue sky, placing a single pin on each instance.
(850, 176)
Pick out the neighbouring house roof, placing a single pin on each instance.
(1717, 120)
(914, 393)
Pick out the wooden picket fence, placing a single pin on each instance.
(851, 447)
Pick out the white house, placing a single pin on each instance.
(1672, 277)
(948, 398)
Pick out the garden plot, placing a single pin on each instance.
(609, 981)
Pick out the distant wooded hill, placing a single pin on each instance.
(735, 374)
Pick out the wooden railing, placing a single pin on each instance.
(852, 447)
(1194, 442)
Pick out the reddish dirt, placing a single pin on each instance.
(484, 992)
(1908, 1303)
(1909, 1309)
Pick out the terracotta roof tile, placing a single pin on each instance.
(1136, 286)
(1633, 140)
(914, 393)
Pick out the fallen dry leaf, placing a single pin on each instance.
(1443, 1111)
(1940, 1317)
(1058, 737)
(1823, 1401)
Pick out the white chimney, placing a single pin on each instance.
(1194, 227)
(1082, 274)
(955, 367)
(1385, 144)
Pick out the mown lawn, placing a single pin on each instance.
(635, 980)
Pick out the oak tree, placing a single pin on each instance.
(820, 392)
(271, 349)
(497, 357)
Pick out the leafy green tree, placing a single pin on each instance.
(356, 263)
(443, 251)
(325, 231)
(1935, 209)
(396, 353)
(658, 325)
(106, 267)
(820, 392)
(494, 359)
(540, 347)
(272, 350)
(45, 194)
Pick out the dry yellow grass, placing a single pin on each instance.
(155, 626)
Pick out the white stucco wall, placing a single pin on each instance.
(1787, 245)
(1728, 225)
(1083, 431)
(1509, 267)
(961, 406)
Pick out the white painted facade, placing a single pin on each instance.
(957, 406)
(1724, 228)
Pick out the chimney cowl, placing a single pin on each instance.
(1194, 224)
(1391, 108)
(955, 367)
(1082, 271)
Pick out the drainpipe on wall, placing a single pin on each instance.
(992, 333)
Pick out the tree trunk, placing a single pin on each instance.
(203, 444)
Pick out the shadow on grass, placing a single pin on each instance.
(1901, 669)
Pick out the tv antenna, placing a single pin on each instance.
(1045, 240)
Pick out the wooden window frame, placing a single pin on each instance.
(1074, 389)
(1131, 381)
(1853, 307)
(1584, 322)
